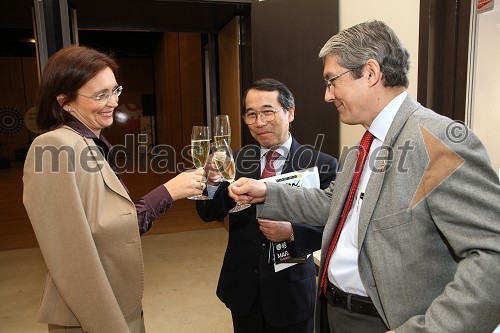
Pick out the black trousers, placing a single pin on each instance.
(343, 321)
(255, 322)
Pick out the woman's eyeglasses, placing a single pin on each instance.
(103, 97)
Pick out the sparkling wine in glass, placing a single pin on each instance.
(224, 161)
(200, 149)
(222, 129)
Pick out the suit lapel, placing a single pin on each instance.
(342, 185)
(291, 162)
(376, 180)
(108, 175)
(248, 162)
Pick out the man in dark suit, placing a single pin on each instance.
(260, 299)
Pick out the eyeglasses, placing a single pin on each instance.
(103, 97)
(329, 82)
(250, 117)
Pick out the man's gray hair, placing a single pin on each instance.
(373, 39)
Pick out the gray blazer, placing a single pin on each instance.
(429, 228)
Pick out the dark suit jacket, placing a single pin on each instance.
(287, 296)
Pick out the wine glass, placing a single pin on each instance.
(222, 131)
(200, 149)
(224, 161)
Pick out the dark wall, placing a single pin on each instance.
(287, 36)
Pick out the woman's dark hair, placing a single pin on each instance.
(65, 73)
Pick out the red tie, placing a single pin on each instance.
(269, 170)
(363, 149)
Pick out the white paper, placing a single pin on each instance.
(308, 178)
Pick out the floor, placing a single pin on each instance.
(181, 271)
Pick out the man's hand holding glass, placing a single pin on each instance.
(248, 191)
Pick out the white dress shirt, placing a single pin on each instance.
(283, 150)
(343, 268)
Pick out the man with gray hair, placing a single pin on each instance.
(412, 235)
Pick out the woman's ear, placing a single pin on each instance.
(61, 98)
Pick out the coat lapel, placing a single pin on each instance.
(376, 181)
(291, 162)
(248, 162)
(343, 181)
(108, 175)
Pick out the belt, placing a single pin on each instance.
(350, 302)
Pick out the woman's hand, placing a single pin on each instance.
(186, 184)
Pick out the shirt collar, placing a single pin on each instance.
(283, 150)
(78, 126)
(382, 122)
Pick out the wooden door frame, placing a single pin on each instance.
(230, 78)
(443, 56)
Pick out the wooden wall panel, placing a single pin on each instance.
(230, 81)
(168, 92)
(173, 93)
(179, 89)
(160, 88)
(191, 83)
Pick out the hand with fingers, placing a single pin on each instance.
(276, 231)
(185, 184)
(247, 190)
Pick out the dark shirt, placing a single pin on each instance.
(150, 206)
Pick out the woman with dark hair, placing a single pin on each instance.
(87, 226)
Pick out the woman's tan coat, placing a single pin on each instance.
(86, 226)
